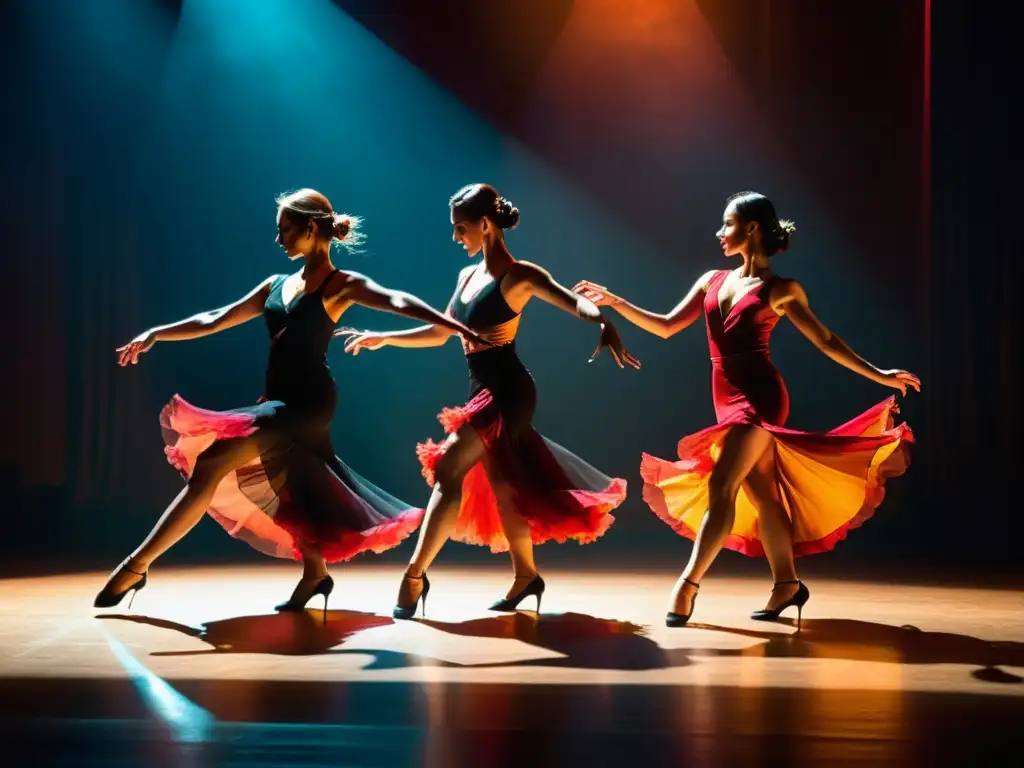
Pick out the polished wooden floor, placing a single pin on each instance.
(201, 671)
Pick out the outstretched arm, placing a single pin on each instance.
(537, 281)
(683, 315)
(361, 290)
(414, 338)
(791, 299)
(202, 324)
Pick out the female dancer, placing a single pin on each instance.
(268, 472)
(495, 480)
(748, 483)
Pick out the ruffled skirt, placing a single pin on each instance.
(296, 494)
(559, 495)
(829, 483)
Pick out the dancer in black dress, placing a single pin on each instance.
(496, 480)
(267, 472)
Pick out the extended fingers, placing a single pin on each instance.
(616, 357)
(911, 379)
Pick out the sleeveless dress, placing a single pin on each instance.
(297, 490)
(560, 495)
(828, 482)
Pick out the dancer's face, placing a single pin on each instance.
(470, 234)
(735, 233)
(294, 239)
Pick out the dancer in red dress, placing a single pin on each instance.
(496, 481)
(748, 483)
(267, 472)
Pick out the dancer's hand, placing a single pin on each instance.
(358, 340)
(901, 380)
(598, 294)
(129, 353)
(610, 338)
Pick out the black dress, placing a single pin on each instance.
(559, 494)
(298, 490)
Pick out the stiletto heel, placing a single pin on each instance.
(798, 600)
(107, 598)
(535, 587)
(323, 587)
(408, 611)
(680, 619)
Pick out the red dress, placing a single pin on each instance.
(828, 482)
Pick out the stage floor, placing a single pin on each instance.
(202, 670)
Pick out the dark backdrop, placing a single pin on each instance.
(149, 138)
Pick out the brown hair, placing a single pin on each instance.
(775, 232)
(305, 206)
(475, 201)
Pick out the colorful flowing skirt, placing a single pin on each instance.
(559, 495)
(296, 494)
(829, 483)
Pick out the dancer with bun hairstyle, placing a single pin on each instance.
(749, 483)
(496, 481)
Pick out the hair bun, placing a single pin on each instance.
(780, 236)
(346, 228)
(507, 214)
(342, 226)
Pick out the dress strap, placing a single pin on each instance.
(715, 280)
(462, 283)
(325, 281)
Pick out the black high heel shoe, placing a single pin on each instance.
(323, 587)
(408, 611)
(680, 619)
(803, 594)
(108, 598)
(535, 587)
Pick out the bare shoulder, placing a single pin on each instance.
(342, 281)
(527, 271)
(787, 286)
(705, 280)
(261, 291)
(785, 290)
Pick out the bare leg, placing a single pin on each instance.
(517, 531)
(775, 527)
(463, 449)
(313, 564)
(188, 506)
(742, 447)
(314, 568)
